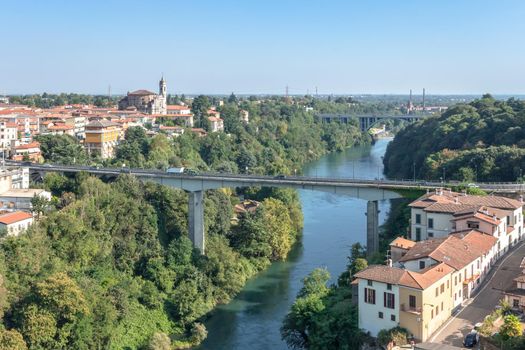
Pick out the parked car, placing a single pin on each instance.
(472, 185)
(280, 176)
(471, 339)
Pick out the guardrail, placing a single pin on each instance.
(280, 178)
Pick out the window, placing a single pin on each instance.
(437, 292)
(508, 220)
(437, 310)
(431, 234)
(455, 280)
(421, 265)
(388, 286)
(455, 296)
(460, 277)
(393, 318)
(459, 293)
(430, 223)
(418, 218)
(380, 314)
(418, 234)
(369, 283)
(432, 313)
(441, 306)
(412, 301)
(516, 303)
(448, 285)
(473, 224)
(370, 296)
(389, 300)
(442, 287)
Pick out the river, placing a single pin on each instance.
(332, 223)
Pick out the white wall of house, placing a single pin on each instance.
(369, 317)
(16, 228)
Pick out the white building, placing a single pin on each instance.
(8, 133)
(16, 222)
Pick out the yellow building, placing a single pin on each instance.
(102, 137)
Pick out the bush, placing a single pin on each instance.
(394, 336)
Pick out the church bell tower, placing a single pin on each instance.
(162, 87)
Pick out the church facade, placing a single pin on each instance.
(146, 101)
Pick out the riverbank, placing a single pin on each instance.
(332, 223)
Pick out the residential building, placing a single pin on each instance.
(424, 282)
(8, 133)
(172, 131)
(14, 223)
(178, 109)
(102, 137)
(245, 116)
(515, 295)
(30, 151)
(20, 198)
(433, 213)
(13, 178)
(216, 124)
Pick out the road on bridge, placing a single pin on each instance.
(454, 331)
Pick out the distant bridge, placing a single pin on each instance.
(195, 185)
(366, 121)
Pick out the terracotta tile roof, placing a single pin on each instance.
(33, 144)
(60, 127)
(483, 241)
(399, 276)
(382, 273)
(403, 243)
(141, 93)
(177, 107)
(449, 197)
(450, 250)
(102, 123)
(16, 216)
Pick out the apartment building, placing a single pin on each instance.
(424, 282)
(16, 222)
(8, 133)
(102, 137)
(432, 215)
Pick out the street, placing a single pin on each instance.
(455, 329)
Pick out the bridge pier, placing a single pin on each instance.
(372, 227)
(196, 219)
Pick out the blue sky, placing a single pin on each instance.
(213, 46)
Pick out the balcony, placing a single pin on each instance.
(412, 310)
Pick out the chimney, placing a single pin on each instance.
(456, 200)
(494, 217)
(389, 262)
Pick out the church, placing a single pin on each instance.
(146, 101)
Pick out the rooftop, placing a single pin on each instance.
(16, 216)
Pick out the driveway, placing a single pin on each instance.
(455, 329)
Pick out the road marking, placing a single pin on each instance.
(452, 318)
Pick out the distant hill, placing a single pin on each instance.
(483, 140)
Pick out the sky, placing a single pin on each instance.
(262, 46)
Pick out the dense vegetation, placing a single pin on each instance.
(110, 266)
(46, 100)
(479, 141)
(325, 317)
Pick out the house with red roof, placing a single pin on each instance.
(14, 223)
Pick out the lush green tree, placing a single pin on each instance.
(297, 323)
(159, 341)
(62, 149)
(511, 327)
(12, 340)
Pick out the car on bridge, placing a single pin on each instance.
(189, 171)
(280, 176)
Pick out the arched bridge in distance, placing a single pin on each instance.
(371, 190)
(367, 121)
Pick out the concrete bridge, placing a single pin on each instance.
(366, 121)
(366, 189)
